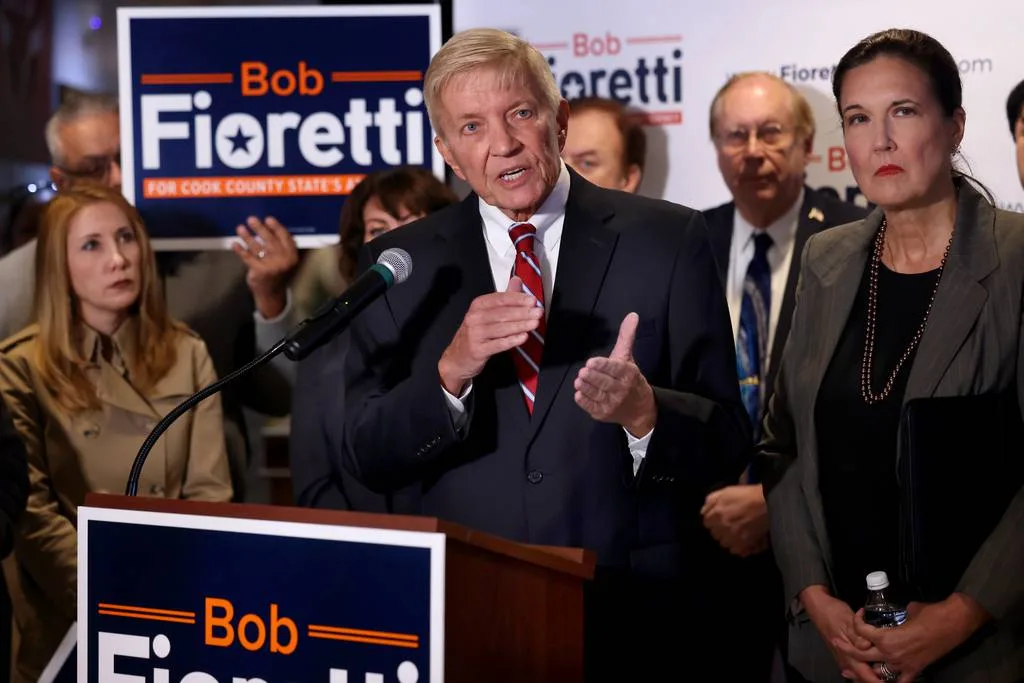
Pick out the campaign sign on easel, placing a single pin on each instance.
(228, 112)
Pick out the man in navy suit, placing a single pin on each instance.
(763, 130)
(558, 369)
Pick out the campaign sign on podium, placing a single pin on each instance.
(201, 599)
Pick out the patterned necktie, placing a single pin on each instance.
(752, 340)
(526, 358)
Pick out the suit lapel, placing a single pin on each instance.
(465, 238)
(583, 258)
(720, 226)
(111, 385)
(811, 220)
(115, 390)
(839, 271)
(960, 296)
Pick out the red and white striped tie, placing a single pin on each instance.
(527, 268)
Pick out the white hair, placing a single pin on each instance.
(514, 59)
(75, 107)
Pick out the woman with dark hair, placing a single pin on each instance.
(383, 201)
(921, 299)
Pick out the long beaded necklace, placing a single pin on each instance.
(870, 397)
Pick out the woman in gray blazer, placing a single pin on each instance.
(923, 298)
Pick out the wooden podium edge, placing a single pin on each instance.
(575, 561)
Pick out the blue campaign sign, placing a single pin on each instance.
(228, 112)
(171, 597)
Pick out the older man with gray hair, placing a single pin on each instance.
(559, 369)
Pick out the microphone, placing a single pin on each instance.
(393, 266)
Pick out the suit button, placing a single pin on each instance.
(535, 476)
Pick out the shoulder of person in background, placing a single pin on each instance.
(14, 483)
(17, 289)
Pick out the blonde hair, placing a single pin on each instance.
(58, 358)
(802, 113)
(514, 59)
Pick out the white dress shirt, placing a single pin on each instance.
(549, 220)
(780, 256)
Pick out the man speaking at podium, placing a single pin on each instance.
(559, 368)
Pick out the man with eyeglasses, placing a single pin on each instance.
(1015, 115)
(763, 132)
(238, 305)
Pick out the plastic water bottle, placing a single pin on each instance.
(881, 612)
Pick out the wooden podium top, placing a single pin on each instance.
(574, 561)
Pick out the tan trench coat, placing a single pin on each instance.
(71, 455)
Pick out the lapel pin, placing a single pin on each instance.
(815, 214)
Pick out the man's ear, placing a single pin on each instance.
(633, 177)
(562, 121)
(448, 157)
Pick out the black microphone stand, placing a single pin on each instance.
(132, 489)
(307, 336)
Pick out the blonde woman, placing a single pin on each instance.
(85, 385)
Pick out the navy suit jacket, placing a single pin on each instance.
(560, 477)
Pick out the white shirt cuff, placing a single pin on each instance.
(457, 406)
(637, 447)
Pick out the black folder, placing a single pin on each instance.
(961, 463)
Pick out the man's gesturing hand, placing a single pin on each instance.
(493, 324)
(613, 389)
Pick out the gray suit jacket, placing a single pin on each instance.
(972, 345)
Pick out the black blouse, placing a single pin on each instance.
(857, 442)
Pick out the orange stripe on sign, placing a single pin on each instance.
(250, 186)
(362, 632)
(150, 610)
(186, 79)
(148, 617)
(357, 639)
(375, 76)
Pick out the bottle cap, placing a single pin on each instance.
(878, 581)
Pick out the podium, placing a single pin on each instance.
(198, 592)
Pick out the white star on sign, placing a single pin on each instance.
(572, 90)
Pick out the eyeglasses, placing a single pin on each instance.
(94, 167)
(770, 135)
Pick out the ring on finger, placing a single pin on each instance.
(261, 254)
